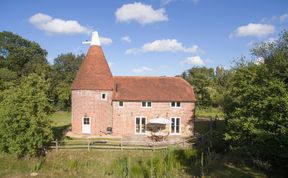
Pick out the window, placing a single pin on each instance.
(103, 96)
(146, 104)
(140, 125)
(175, 104)
(120, 104)
(86, 121)
(175, 125)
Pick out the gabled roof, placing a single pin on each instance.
(132, 88)
(94, 72)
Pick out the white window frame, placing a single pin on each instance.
(175, 126)
(175, 104)
(106, 96)
(140, 133)
(119, 104)
(146, 104)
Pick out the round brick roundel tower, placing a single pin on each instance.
(92, 91)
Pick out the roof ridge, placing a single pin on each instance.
(148, 76)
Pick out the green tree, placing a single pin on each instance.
(24, 126)
(275, 56)
(256, 104)
(64, 71)
(201, 78)
(7, 78)
(21, 55)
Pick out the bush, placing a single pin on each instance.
(24, 126)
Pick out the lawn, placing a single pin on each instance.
(61, 121)
(61, 118)
(117, 163)
(208, 113)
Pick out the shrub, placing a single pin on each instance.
(24, 125)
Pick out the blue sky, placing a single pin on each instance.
(153, 37)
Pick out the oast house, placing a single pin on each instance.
(124, 105)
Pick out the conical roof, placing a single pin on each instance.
(94, 72)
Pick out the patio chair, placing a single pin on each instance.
(166, 136)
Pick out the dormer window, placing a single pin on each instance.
(175, 104)
(103, 96)
(146, 104)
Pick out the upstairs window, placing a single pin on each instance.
(175, 104)
(146, 104)
(103, 96)
(120, 104)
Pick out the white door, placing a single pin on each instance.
(86, 125)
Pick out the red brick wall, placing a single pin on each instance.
(89, 102)
(100, 111)
(124, 118)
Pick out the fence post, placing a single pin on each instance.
(202, 165)
(183, 142)
(56, 144)
(121, 144)
(88, 141)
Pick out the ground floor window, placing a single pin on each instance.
(175, 125)
(140, 125)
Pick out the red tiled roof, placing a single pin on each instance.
(94, 72)
(132, 88)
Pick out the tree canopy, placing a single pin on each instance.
(208, 84)
(64, 70)
(256, 104)
(20, 55)
(24, 126)
(30, 88)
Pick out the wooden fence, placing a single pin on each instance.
(117, 144)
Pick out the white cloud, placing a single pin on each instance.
(105, 40)
(271, 40)
(142, 69)
(166, 2)
(194, 60)
(126, 39)
(283, 17)
(132, 51)
(259, 60)
(141, 13)
(164, 45)
(57, 26)
(257, 44)
(253, 29)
